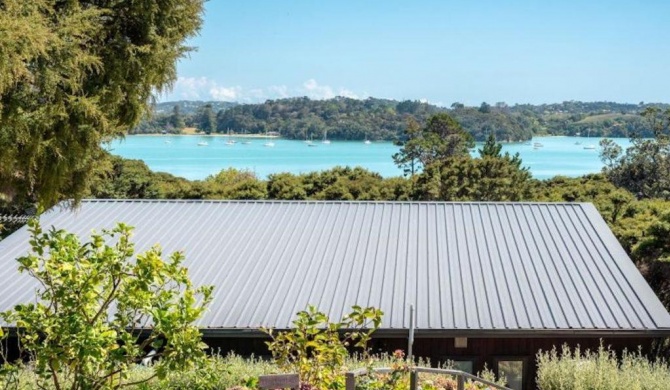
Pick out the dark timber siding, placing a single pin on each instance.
(483, 351)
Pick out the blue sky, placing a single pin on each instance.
(438, 51)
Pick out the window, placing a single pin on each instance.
(513, 370)
(462, 363)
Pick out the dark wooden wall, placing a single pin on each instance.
(438, 350)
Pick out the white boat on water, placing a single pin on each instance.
(203, 144)
(246, 142)
(589, 147)
(537, 145)
(325, 138)
(268, 143)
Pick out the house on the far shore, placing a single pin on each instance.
(492, 283)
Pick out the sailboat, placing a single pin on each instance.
(268, 143)
(590, 146)
(367, 141)
(230, 140)
(325, 138)
(246, 141)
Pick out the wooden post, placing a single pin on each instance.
(413, 376)
(461, 382)
(350, 381)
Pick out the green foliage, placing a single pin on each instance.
(491, 147)
(207, 120)
(655, 244)
(217, 372)
(234, 184)
(397, 379)
(317, 348)
(75, 74)
(441, 138)
(286, 186)
(599, 370)
(612, 202)
(124, 178)
(99, 309)
(342, 118)
(475, 179)
(408, 157)
(214, 373)
(644, 168)
(347, 119)
(177, 119)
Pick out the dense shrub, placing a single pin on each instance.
(599, 370)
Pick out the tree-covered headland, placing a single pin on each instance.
(382, 119)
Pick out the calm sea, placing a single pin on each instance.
(183, 156)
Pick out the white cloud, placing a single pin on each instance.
(191, 87)
(226, 94)
(281, 91)
(315, 91)
(203, 88)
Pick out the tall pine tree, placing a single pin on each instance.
(75, 74)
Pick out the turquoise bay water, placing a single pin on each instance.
(181, 155)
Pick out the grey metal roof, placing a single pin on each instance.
(468, 268)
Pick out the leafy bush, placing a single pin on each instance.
(100, 310)
(599, 370)
(317, 348)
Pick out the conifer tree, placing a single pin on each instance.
(75, 74)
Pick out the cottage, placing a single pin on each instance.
(492, 283)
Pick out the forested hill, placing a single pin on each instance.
(382, 119)
(190, 107)
(352, 119)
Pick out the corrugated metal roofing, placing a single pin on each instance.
(466, 267)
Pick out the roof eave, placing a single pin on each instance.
(472, 333)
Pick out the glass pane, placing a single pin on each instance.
(513, 372)
(463, 365)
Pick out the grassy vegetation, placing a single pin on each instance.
(599, 370)
(235, 372)
(604, 117)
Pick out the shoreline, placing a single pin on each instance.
(255, 136)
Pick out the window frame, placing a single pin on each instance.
(463, 358)
(513, 358)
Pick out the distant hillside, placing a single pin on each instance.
(190, 107)
(383, 119)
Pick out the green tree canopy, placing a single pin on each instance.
(493, 177)
(207, 119)
(75, 74)
(177, 119)
(441, 138)
(644, 168)
(99, 309)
